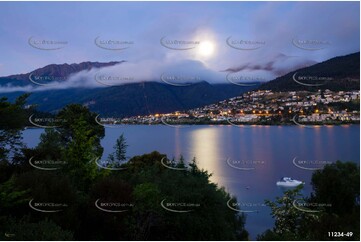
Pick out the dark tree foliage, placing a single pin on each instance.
(120, 150)
(13, 118)
(24, 230)
(91, 196)
(333, 207)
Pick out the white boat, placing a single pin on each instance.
(288, 182)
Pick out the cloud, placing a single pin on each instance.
(278, 65)
(128, 72)
(274, 23)
(171, 71)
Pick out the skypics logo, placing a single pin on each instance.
(47, 207)
(111, 80)
(108, 165)
(178, 44)
(240, 122)
(245, 207)
(311, 165)
(295, 120)
(179, 207)
(9, 235)
(310, 81)
(113, 44)
(179, 80)
(46, 122)
(244, 44)
(171, 164)
(113, 207)
(46, 44)
(244, 165)
(242, 80)
(307, 207)
(310, 44)
(46, 80)
(109, 122)
(47, 165)
(171, 122)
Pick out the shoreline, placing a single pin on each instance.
(218, 124)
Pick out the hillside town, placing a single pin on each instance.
(265, 107)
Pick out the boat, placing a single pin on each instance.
(288, 182)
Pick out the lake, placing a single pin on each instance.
(246, 160)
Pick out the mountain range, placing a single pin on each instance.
(124, 100)
(339, 73)
(54, 70)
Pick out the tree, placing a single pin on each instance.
(333, 206)
(146, 214)
(100, 225)
(337, 185)
(13, 120)
(10, 196)
(73, 189)
(24, 229)
(120, 148)
(77, 142)
(289, 220)
(51, 143)
(154, 183)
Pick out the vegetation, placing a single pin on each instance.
(120, 149)
(69, 197)
(13, 118)
(333, 207)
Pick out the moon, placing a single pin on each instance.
(206, 48)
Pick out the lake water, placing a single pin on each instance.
(246, 160)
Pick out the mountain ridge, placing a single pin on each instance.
(343, 70)
(56, 70)
(156, 97)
